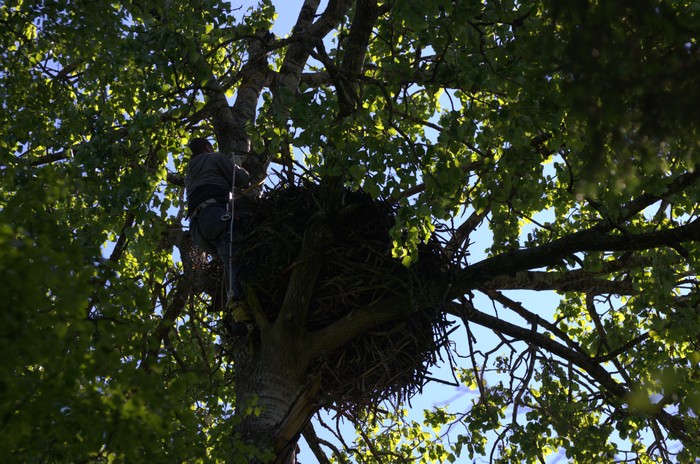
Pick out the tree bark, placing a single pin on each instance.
(275, 384)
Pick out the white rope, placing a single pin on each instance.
(230, 241)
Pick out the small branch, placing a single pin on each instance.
(532, 318)
(622, 349)
(154, 341)
(175, 179)
(602, 334)
(52, 157)
(461, 235)
(468, 313)
(475, 367)
(593, 313)
(409, 192)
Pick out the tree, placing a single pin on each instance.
(568, 130)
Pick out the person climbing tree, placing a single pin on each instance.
(217, 212)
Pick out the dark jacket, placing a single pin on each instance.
(210, 175)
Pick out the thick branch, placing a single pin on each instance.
(481, 274)
(298, 51)
(305, 271)
(330, 18)
(297, 420)
(553, 253)
(287, 81)
(572, 281)
(354, 55)
(317, 79)
(360, 31)
(232, 134)
(343, 330)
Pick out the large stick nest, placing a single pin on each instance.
(389, 361)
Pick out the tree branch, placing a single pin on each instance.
(594, 239)
(154, 341)
(299, 48)
(461, 235)
(343, 330)
(469, 314)
(366, 12)
(577, 280)
(679, 184)
(231, 123)
(330, 18)
(533, 319)
(316, 79)
(315, 443)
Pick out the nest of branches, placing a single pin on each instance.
(389, 361)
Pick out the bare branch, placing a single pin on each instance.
(315, 443)
(52, 157)
(533, 319)
(461, 235)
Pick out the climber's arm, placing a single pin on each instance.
(229, 169)
(242, 177)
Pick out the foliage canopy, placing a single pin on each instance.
(550, 146)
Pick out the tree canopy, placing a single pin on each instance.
(545, 148)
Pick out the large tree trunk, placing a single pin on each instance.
(272, 373)
(275, 395)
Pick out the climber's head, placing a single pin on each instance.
(199, 146)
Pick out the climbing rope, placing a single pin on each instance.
(232, 204)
